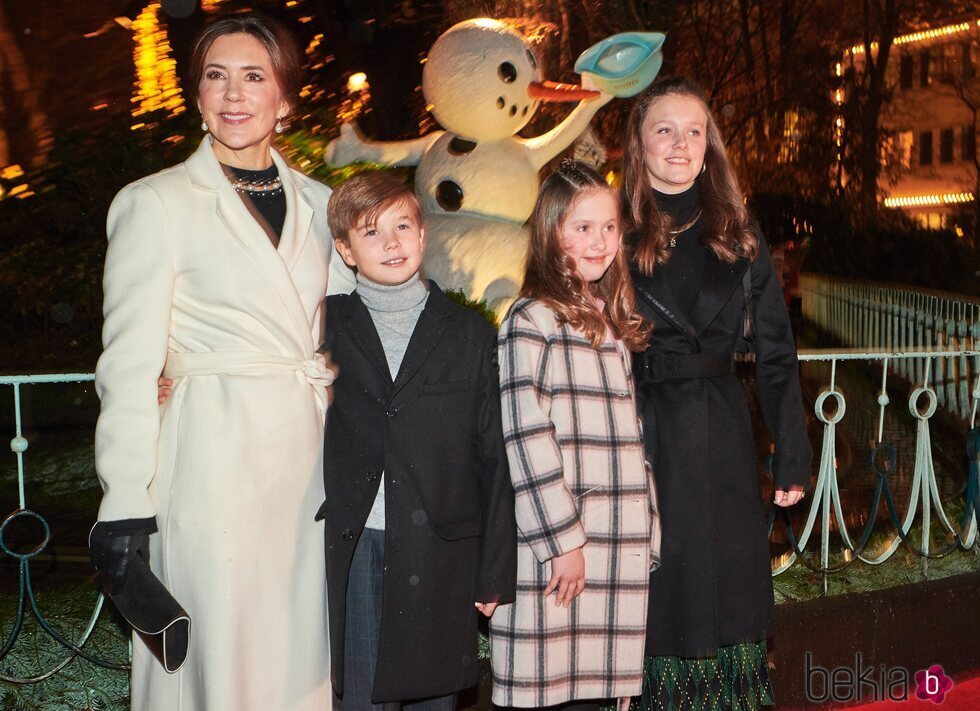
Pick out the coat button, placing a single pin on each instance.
(392, 411)
(347, 534)
(371, 476)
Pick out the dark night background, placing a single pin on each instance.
(67, 118)
(78, 122)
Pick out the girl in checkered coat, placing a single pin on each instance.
(589, 531)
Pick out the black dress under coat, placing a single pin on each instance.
(434, 433)
(714, 586)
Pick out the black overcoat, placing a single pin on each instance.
(714, 586)
(450, 536)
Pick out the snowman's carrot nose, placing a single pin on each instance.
(553, 91)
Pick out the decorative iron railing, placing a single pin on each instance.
(923, 402)
(879, 317)
(26, 597)
(928, 339)
(825, 510)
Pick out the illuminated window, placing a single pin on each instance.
(905, 140)
(925, 148)
(949, 57)
(931, 220)
(924, 60)
(906, 71)
(946, 145)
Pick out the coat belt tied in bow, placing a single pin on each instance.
(315, 370)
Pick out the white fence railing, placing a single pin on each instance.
(830, 407)
(26, 597)
(898, 319)
(927, 392)
(928, 339)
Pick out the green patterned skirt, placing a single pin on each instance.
(737, 679)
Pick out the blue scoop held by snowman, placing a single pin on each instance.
(477, 180)
(625, 64)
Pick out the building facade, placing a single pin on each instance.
(930, 123)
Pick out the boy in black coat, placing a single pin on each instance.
(419, 509)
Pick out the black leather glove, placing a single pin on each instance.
(115, 544)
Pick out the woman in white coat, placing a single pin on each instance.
(215, 275)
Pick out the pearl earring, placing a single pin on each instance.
(204, 125)
(279, 128)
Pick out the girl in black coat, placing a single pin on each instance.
(704, 277)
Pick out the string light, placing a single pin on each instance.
(156, 75)
(357, 82)
(11, 172)
(928, 200)
(920, 36)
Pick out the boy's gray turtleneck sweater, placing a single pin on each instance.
(395, 310)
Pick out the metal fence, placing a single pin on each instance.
(928, 339)
(928, 394)
(924, 501)
(26, 597)
(897, 319)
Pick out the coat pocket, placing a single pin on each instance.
(446, 386)
(457, 530)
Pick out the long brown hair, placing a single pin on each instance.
(725, 228)
(551, 276)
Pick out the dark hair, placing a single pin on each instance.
(275, 38)
(363, 198)
(551, 276)
(726, 230)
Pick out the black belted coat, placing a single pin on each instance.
(714, 585)
(450, 537)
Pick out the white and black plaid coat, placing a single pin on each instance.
(580, 477)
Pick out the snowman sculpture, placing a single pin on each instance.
(477, 180)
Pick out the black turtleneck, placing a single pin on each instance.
(685, 268)
(271, 205)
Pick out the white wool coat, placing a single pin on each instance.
(231, 465)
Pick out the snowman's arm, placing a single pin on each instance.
(352, 146)
(543, 148)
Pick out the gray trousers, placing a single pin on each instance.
(364, 600)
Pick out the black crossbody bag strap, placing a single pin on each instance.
(748, 327)
(657, 304)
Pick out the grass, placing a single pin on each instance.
(80, 685)
(799, 583)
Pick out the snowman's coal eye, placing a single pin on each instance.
(507, 72)
(532, 59)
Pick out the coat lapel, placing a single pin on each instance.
(720, 280)
(362, 328)
(299, 214)
(429, 329)
(659, 298)
(205, 173)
